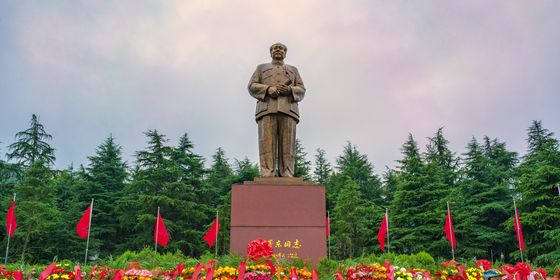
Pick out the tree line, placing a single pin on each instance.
(479, 185)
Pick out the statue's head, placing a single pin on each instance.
(278, 51)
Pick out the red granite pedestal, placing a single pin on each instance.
(288, 212)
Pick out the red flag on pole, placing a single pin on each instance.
(11, 223)
(82, 227)
(211, 235)
(383, 229)
(449, 230)
(518, 231)
(161, 236)
(327, 227)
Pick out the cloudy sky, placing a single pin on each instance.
(375, 71)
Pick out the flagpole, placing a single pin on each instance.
(157, 230)
(217, 223)
(450, 231)
(9, 231)
(387, 221)
(89, 230)
(329, 236)
(516, 221)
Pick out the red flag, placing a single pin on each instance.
(315, 275)
(241, 271)
(47, 271)
(211, 235)
(161, 236)
(518, 231)
(82, 227)
(77, 273)
(327, 227)
(449, 230)
(11, 223)
(18, 275)
(383, 229)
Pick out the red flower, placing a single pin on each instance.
(542, 272)
(508, 269)
(258, 249)
(522, 269)
(451, 263)
(484, 263)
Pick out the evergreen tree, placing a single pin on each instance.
(220, 179)
(354, 165)
(105, 182)
(441, 170)
(353, 185)
(409, 233)
(302, 165)
(539, 176)
(71, 197)
(31, 145)
(159, 181)
(41, 233)
(322, 169)
(245, 170)
(352, 222)
(488, 170)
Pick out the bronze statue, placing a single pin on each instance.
(278, 88)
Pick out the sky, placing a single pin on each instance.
(374, 71)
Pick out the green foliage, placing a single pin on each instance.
(302, 164)
(323, 168)
(537, 181)
(31, 145)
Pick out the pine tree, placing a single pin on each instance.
(409, 233)
(302, 165)
(441, 169)
(220, 178)
(488, 171)
(41, 232)
(322, 169)
(539, 176)
(353, 185)
(245, 170)
(31, 145)
(354, 165)
(352, 222)
(105, 181)
(160, 181)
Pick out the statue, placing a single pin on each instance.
(278, 88)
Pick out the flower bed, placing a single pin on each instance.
(259, 270)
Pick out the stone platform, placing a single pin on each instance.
(288, 212)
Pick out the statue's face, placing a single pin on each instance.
(278, 52)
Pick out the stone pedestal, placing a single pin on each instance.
(288, 212)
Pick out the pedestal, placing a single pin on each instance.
(288, 212)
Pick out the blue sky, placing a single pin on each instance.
(374, 72)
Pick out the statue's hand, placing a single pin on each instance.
(273, 92)
(284, 89)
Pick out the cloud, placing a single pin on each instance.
(374, 71)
